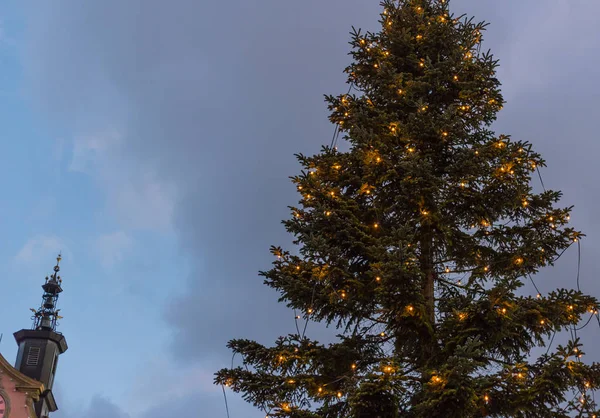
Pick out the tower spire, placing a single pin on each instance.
(40, 346)
(46, 316)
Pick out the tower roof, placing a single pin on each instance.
(46, 316)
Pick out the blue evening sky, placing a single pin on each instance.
(151, 142)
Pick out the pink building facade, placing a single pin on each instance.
(17, 392)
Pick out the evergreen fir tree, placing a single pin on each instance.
(415, 244)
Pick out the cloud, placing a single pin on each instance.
(112, 248)
(136, 195)
(160, 381)
(42, 249)
(89, 150)
(99, 407)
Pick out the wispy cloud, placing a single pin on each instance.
(92, 150)
(42, 249)
(112, 248)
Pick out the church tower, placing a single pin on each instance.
(40, 346)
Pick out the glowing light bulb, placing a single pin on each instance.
(353, 366)
(309, 310)
(447, 269)
(455, 78)
(376, 225)
(339, 394)
(378, 278)
(419, 37)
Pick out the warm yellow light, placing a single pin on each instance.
(353, 366)
(339, 394)
(388, 369)
(400, 91)
(309, 310)
(327, 213)
(447, 269)
(519, 261)
(444, 133)
(486, 398)
(410, 308)
(411, 149)
(455, 78)
(382, 334)
(462, 316)
(376, 225)
(539, 296)
(486, 268)
(291, 382)
(285, 407)
(419, 37)
(320, 390)
(378, 278)
(542, 322)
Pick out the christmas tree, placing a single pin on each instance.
(416, 244)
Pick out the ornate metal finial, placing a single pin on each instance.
(46, 316)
